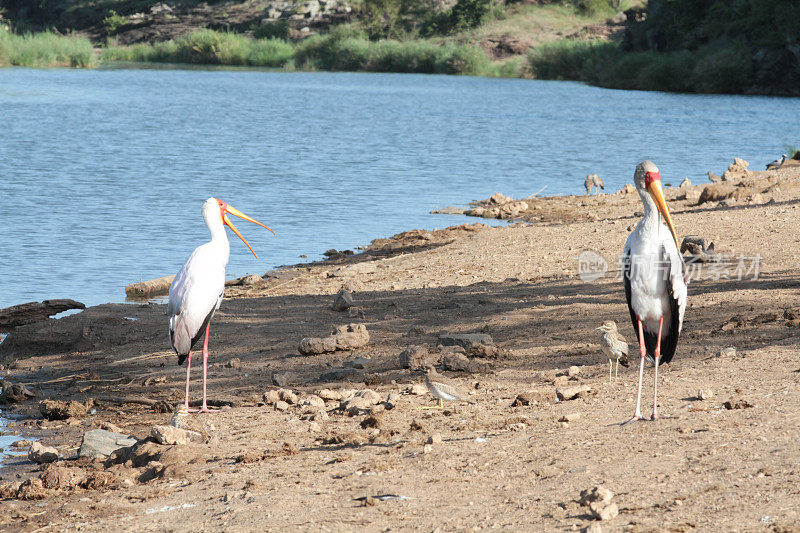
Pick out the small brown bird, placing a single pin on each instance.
(593, 180)
(442, 389)
(614, 346)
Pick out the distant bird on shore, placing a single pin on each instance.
(196, 292)
(777, 163)
(654, 276)
(593, 180)
(442, 389)
(614, 346)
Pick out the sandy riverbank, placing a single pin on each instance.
(498, 465)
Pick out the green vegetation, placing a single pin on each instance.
(113, 22)
(45, 50)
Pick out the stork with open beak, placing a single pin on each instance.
(655, 283)
(197, 290)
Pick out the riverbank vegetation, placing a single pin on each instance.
(744, 46)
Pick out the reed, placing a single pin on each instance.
(45, 49)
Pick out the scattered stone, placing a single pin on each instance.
(287, 396)
(363, 399)
(284, 379)
(415, 426)
(570, 417)
(465, 340)
(251, 280)
(435, 438)
(359, 363)
(570, 393)
(738, 403)
(728, 352)
(595, 494)
(418, 357)
(329, 395)
(705, 394)
(685, 183)
(312, 401)
(172, 435)
(593, 528)
(457, 362)
(39, 453)
(574, 371)
(271, 397)
(560, 381)
(108, 426)
(343, 338)
(341, 374)
(62, 478)
(14, 392)
(418, 389)
(517, 426)
(343, 300)
(450, 210)
(628, 189)
(58, 410)
(21, 443)
(356, 312)
(713, 178)
(99, 442)
(523, 399)
(371, 421)
(32, 489)
(604, 511)
(234, 362)
(281, 405)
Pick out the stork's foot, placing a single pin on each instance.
(634, 418)
(655, 416)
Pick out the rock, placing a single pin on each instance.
(58, 410)
(418, 389)
(329, 395)
(104, 443)
(39, 453)
(313, 401)
(570, 417)
(604, 511)
(251, 280)
(523, 398)
(628, 189)
(685, 183)
(593, 528)
(151, 287)
(705, 394)
(450, 210)
(14, 392)
(418, 357)
(172, 435)
(343, 338)
(716, 192)
(281, 405)
(573, 371)
(271, 397)
(359, 363)
(570, 393)
(234, 362)
(287, 396)
(8, 489)
(457, 362)
(738, 403)
(435, 438)
(691, 195)
(341, 374)
(361, 400)
(343, 301)
(560, 381)
(371, 421)
(465, 340)
(284, 379)
(28, 313)
(596, 494)
(21, 443)
(728, 352)
(500, 199)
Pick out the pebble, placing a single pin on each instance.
(570, 417)
(435, 438)
(173, 435)
(593, 528)
(428, 448)
(570, 393)
(21, 443)
(271, 397)
(343, 300)
(730, 351)
(281, 405)
(595, 494)
(359, 363)
(39, 453)
(560, 381)
(705, 394)
(329, 395)
(574, 371)
(604, 510)
(314, 401)
(419, 389)
(287, 396)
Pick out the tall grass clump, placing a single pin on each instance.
(571, 59)
(45, 50)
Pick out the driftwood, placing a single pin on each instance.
(159, 406)
(14, 392)
(151, 287)
(28, 313)
(698, 251)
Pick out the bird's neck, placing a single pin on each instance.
(219, 238)
(652, 217)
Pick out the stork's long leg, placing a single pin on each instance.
(657, 355)
(188, 366)
(642, 349)
(204, 408)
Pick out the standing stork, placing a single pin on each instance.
(655, 286)
(196, 292)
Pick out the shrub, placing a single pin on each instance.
(272, 30)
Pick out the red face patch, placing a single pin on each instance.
(650, 177)
(222, 207)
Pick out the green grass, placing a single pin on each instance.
(45, 50)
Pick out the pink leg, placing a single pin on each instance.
(657, 355)
(188, 366)
(204, 408)
(638, 414)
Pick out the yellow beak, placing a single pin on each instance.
(657, 193)
(236, 212)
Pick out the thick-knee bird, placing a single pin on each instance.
(197, 290)
(655, 283)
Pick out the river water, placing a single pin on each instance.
(102, 172)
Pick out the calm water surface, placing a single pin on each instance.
(102, 172)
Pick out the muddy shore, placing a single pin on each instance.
(517, 459)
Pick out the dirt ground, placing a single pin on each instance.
(508, 462)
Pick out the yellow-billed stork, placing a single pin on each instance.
(197, 290)
(655, 283)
